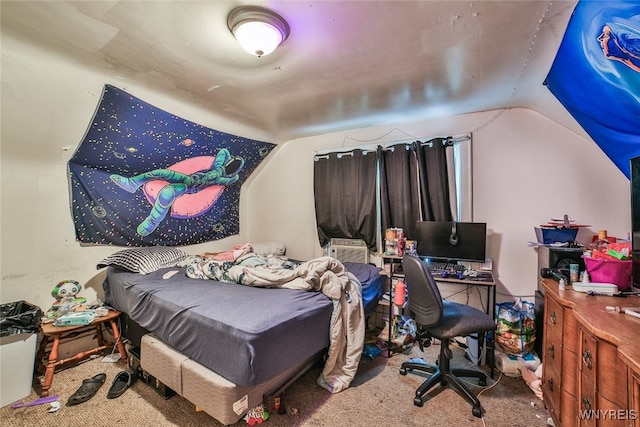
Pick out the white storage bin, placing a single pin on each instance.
(17, 358)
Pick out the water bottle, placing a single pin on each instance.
(399, 292)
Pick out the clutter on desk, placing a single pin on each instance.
(396, 244)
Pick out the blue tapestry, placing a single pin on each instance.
(145, 177)
(596, 75)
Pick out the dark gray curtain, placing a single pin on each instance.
(399, 191)
(345, 196)
(414, 184)
(434, 179)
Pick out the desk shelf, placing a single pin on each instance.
(392, 266)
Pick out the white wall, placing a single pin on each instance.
(47, 105)
(526, 170)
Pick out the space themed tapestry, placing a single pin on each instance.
(144, 177)
(596, 76)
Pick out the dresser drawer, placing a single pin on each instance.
(570, 371)
(611, 375)
(552, 389)
(552, 355)
(588, 355)
(634, 396)
(611, 414)
(587, 402)
(568, 409)
(570, 332)
(553, 316)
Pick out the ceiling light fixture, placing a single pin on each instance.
(259, 31)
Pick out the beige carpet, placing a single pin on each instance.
(379, 396)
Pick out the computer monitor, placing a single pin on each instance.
(453, 241)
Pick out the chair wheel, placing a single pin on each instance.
(482, 381)
(477, 411)
(403, 371)
(418, 402)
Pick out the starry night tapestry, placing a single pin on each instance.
(145, 177)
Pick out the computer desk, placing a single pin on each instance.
(484, 279)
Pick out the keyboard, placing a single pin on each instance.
(436, 268)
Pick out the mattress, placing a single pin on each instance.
(372, 283)
(246, 335)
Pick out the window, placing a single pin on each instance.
(360, 192)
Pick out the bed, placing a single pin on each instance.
(225, 346)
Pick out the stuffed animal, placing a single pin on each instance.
(66, 289)
(66, 297)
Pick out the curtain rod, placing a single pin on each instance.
(447, 140)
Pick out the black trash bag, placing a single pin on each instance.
(19, 317)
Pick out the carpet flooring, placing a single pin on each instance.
(379, 395)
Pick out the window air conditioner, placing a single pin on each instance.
(349, 250)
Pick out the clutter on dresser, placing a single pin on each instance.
(607, 261)
(560, 232)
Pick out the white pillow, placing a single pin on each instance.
(269, 247)
(144, 260)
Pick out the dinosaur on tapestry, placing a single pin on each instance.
(143, 177)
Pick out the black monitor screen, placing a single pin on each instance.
(461, 241)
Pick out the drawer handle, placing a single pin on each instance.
(553, 317)
(551, 351)
(550, 383)
(586, 404)
(586, 358)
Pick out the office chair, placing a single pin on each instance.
(443, 320)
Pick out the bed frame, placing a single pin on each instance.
(209, 391)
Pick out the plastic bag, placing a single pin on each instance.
(19, 317)
(516, 332)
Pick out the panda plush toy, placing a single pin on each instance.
(66, 297)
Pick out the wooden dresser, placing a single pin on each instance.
(591, 359)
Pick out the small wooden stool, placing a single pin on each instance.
(57, 332)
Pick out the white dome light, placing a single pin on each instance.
(258, 30)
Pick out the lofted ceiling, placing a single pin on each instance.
(346, 64)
